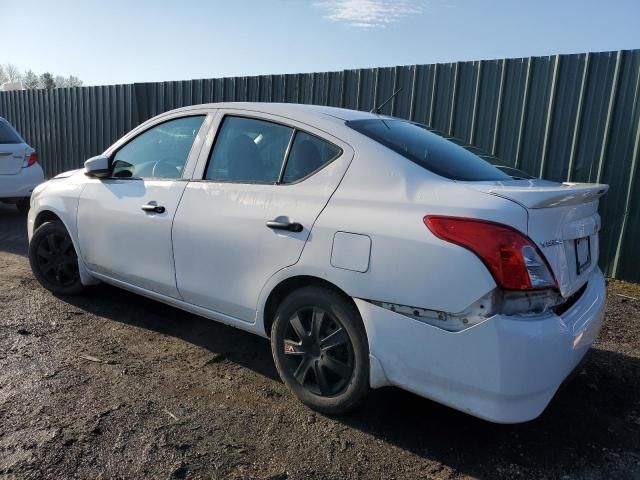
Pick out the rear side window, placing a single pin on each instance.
(7, 135)
(428, 149)
(248, 150)
(308, 155)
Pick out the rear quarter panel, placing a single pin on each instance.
(386, 197)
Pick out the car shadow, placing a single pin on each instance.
(125, 307)
(590, 419)
(13, 231)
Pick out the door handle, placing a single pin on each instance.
(289, 226)
(153, 208)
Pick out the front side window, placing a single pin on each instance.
(428, 149)
(308, 155)
(160, 152)
(7, 135)
(248, 150)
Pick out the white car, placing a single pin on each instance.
(20, 171)
(370, 250)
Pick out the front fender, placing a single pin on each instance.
(61, 198)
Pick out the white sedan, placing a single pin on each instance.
(370, 250)
(19, 168)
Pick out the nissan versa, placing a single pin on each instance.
(370, 250)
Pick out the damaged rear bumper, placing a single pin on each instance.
(505, 369)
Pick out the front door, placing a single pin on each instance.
(250, 214)
(124, 222)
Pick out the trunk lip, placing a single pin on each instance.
(535, 194)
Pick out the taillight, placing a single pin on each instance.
(33, 158)
(513, 259)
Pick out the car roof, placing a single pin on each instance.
(293, 110)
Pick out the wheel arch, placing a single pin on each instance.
(288, 285)
(46, 216)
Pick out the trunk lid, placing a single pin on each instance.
(563, 221)
(12, 156)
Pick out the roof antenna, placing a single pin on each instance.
(376, 110)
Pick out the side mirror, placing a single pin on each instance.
(97, 167)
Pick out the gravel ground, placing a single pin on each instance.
(112, 385)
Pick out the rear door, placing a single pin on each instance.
(12, 150)
(124, 222)
(250, 209)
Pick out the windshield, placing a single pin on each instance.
(428, 149)
(7, 135)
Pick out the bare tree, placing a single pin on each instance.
(30, 81)
(73, 81)
(60, 81)
(13, 73)
(9, 73)
(70, 81)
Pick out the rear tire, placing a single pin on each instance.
(23, 205)
(53, 259)
(320, 349)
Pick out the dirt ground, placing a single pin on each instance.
(112, 385)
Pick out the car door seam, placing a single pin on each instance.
(173, 254)
(261, 294)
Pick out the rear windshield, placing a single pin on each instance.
(7, 135)
(428, 149)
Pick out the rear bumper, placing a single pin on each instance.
(21, 184)
(504, 370)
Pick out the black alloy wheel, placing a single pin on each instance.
(320, 349)
(53, 259)
(319, 352)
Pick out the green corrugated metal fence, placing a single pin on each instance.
(561, 117)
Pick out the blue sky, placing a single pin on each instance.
(118, 41)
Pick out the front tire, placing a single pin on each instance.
(53, 259)
(320, 349)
